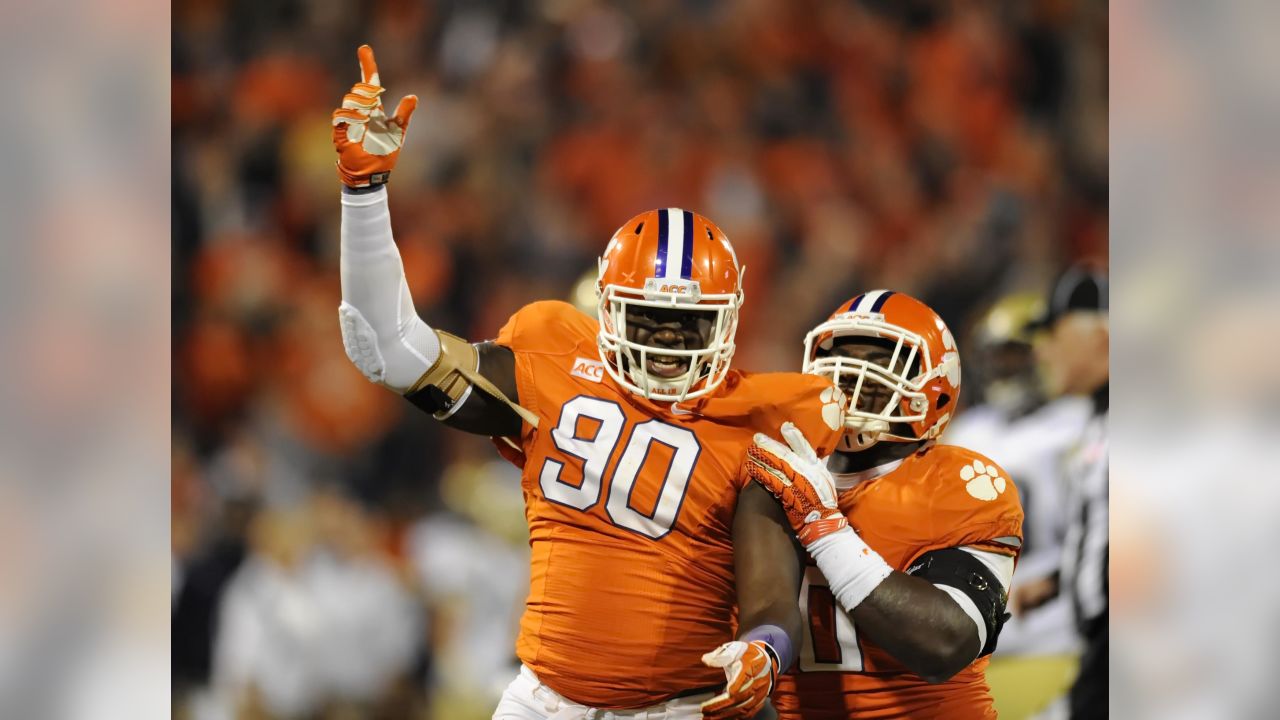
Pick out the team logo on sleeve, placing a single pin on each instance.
(588, 369)
(950, 358)
(833, 404)
(983, 481)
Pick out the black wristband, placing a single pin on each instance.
(376, 181)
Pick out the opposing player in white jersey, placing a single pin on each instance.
(1012, 421)
(1031, 437)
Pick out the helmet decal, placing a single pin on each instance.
(920, 378)
(872, 302)
(675, 244)
(657, 260)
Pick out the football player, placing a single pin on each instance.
(629, 427)
(912, 543)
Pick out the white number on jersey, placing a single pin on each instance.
(595, 452)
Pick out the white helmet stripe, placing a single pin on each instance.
(675, 243)
(867, 301)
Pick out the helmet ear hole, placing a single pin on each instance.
(640, 227)
(943, 399)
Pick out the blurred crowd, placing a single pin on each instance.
(336, 553)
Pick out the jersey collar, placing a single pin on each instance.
(844, 481)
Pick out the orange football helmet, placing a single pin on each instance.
(924, 401)
(668, 258)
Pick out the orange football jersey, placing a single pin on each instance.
(630, 507)
(940, 497)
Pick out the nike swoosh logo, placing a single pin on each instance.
(677, 410)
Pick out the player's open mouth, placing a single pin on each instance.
(667, 367)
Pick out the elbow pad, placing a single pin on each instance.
(394, 360)
(446, 384)
(452, 365)
(956, 568)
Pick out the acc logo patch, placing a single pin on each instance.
(588, 369)
(657, 288)
(982, 481)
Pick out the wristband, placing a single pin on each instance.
(363, 189)
(777, 640)
(851, 567)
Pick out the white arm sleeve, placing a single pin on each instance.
(1002, 567)
(381, 330)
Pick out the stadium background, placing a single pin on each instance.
(956, 151)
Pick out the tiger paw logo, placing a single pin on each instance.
(833, 404)
(950, 363)
(983, 481)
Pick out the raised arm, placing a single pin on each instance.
(469, 387)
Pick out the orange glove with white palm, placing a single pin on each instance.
(799, 479)
(368, 142)
(801, 482)
(750, 670)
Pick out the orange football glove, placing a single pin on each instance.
(368, 142)
(750, 669)
(807, 492)
(800, 480)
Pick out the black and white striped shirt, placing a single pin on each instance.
(1085, 562)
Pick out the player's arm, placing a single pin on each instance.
(477, 409)
(935, 620)
(469, 387)
(939, 617)
(767, 563)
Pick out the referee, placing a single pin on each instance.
(1072, 349)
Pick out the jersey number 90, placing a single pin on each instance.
(595, 453)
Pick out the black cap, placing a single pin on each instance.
(1079, 288)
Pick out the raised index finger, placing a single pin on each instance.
(368, 67)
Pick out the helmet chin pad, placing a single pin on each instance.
(860, 434)
(857, 441)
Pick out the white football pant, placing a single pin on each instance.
(526, 698)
